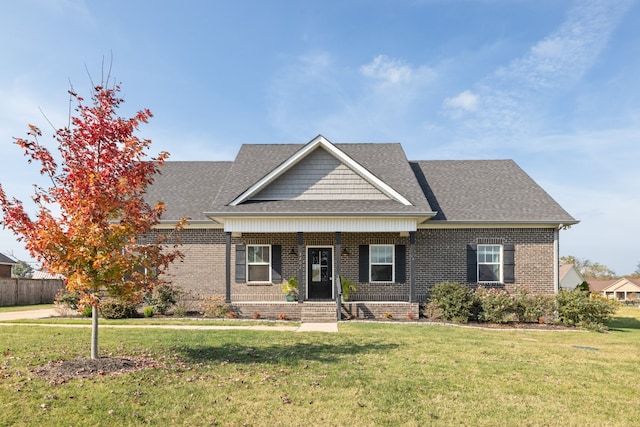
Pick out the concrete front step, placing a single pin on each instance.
(319, 312)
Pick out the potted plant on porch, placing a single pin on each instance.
(290, 289)
(347, 287)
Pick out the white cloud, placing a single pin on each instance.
(516, 97)
(466, 101)
(393, 71)
(389, 70)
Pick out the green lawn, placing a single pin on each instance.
(25, 307)
(369, 374)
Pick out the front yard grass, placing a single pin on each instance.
(25, 307)
(368, 374)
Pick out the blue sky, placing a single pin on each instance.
(552, 84)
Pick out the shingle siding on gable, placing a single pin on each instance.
(320, 176)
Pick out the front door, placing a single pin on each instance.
(320, 273)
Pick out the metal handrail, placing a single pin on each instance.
(339, 299)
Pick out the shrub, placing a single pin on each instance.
(87, 311)
(256, 315)
(531, 308)
(496, 305)
(66, 298)
(186, 302)
(148, 311)
(432, 311)
(214, 306)
(388, 315)
(283, 316)
(162, 298)
(455, 301)
(113, 308)
(579, 308)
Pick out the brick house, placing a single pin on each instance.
(320, 211)
(6, 265)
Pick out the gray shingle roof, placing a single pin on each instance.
(486, 191)
(6, 260)
(187, 188)
(458, 190)
(386, 161)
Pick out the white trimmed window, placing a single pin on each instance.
(489, 264)
(258, 263)
(381, 263)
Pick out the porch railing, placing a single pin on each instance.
(339, 299)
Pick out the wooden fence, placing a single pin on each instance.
(28, 291)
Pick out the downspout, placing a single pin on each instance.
(556, 257)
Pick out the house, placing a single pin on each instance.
(46, 275)
(622, 289)
(320, 211)
(6, 265)
(569, 276)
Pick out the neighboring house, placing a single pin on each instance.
(321, 211)
(6, 265)
(46, 275)
(569, 276)
(619, 289)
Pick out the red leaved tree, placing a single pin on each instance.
(89, 222)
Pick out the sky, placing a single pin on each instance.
(551, 84)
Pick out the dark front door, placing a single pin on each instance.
(320, 273)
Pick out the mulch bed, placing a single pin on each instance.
(63, 370)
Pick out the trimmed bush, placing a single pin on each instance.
(162, 298)
(87, 311)
(453, 300)
(496, 305)
(67, 299)
(214, 306)
(531, 308)
(112, 308)
(148, 311)
(579, 308)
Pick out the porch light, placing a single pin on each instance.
(293, 251)
(345, 252)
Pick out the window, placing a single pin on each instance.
(381, 263)
(259, 263)
(490, 263)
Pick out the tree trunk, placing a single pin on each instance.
(94, 332)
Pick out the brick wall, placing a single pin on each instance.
(440, 256)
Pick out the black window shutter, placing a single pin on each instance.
(401, 263)
(364, 264)
(472, 263)
(508, 274)
(241, 262)
(276, 264)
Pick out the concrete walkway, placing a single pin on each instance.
(43, 314)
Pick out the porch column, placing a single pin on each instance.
(300, 268)
(227, 273)
(338, 257)
(412, 266)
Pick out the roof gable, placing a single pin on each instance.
(320, 176)
(7, 260)
(272, 185)
(623, 284)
